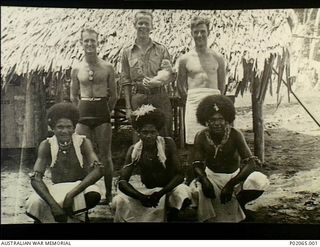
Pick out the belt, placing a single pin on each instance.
(93, 98)
(156, 90)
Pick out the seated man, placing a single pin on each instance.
(69, 154)
(158, 184)
(223, 187)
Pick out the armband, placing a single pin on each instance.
(251, 158)
(122, 180)
(96, 164)
(197, 163)
(32, 175)
(119, 181)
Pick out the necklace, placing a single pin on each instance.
(149, 155)
(91, 74)
(91, 70)
(223, 141)
(63, 147)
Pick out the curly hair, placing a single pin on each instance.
(63, 110)
(213, 104)
(155, 117)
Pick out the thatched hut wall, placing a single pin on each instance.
(48, 38)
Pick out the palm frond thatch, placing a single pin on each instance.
(47, 38)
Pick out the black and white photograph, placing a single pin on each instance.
(160, 115)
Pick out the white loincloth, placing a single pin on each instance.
(213, 210)
(128, 209)
(37, 208)
(194, 97)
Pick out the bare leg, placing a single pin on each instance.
(189, 169)
(246, 196)
(92, 199)
(82, 129)
(103, 137)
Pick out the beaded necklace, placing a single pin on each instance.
(223, 141)
(63, 147)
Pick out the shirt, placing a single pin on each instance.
(137, 64)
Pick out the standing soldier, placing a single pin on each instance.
(146, 69)
(92, 81)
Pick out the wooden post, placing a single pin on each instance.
(257, 118)
(40, 119)
(59, 86)
(28, 134)
(28, 128)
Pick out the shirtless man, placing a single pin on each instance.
(223, 186)
(201, 72)
(74, 168)
(154, 158)
(92, 80)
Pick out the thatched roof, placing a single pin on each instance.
(47, 38)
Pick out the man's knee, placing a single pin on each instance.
(256, 181)
(246, 196)
(92, 198)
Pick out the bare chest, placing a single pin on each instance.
(89, 77)
(202, 64)
(222, 159)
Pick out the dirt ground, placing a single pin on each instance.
(292, 162)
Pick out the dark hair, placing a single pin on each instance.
(63, 110)
(155, 117)
(213, 104)
(198, 20)
(88, 30)
(142, 12)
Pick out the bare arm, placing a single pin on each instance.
(40, 187)
(221, 75)
(178, 178)
(245, 153)
(198, 158)
(125, 175)
(112, 88)
(126, 80)
(74, 87)
(94, 175)
(200, 166)
(182, 79)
